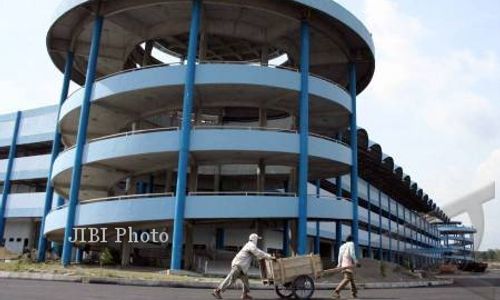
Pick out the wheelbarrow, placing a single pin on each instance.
(294, 276)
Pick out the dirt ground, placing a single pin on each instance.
(375, 271)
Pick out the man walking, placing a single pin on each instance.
(347, 259)
(240, 265)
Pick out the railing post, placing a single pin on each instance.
(187, 108)
(56, 145)
(354, 166)
(8, 173)
(80, 139)
(304, 135)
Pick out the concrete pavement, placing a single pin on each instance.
(52, 290)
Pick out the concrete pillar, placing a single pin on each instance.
(148, 48)
(317, 239)
(188, 246)
(134, 126)
(79, 255)
(261, 176)
(338, 237)
(259, 229)
(264, 56)
(169, 176)
(193, 177)
(151, 184)
(126, 249)
(262, 117)
(292, 180)
(293, 122)
(286, 238)
(217, 178)
(293, 238)
(219, 238)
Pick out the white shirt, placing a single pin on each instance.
(347, 255)
(244, 258)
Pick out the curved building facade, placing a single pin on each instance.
(208, 119)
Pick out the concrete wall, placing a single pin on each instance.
(16, 232)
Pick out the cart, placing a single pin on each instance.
(292, 276)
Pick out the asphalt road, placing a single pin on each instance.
(466, 289)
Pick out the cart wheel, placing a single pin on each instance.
(285, 290)
(303, 287)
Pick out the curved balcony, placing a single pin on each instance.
(108, 160)
(233, 30)
(150, 209)
(126, 97)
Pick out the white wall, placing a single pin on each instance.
(15, 234)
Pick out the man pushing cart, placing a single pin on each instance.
(291, 276)
(240, 265)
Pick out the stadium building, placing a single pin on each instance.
(208, 120)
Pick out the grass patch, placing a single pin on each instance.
(93, 271)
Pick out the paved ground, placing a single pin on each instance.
(466, 289)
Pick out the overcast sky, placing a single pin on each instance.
(432, 104)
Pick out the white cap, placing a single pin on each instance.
(254, 237)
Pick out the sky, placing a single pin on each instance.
(432, 103)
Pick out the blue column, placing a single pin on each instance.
(380, 224)
(338, 225)
(369, 221)
(354, 167)
(389, 254)
(56, 145)
(286, 238)
(187, 108)
(8, 173)
(80, 139)
(304, 137)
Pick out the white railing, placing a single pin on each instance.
(170, 194)
(198, 127)
(121, 197)
(332, 197)
(127, 133)
(243, 193)
(206, 62)
(274, 66)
